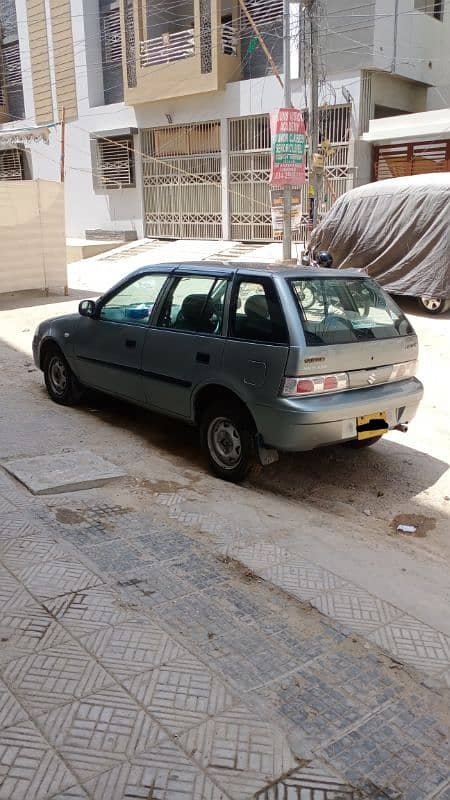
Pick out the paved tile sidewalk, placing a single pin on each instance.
(135, 663)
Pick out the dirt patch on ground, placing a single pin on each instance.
(423, 525)
(68, 516)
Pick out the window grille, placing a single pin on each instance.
(11, 165)
(111, 37)
(115, 162)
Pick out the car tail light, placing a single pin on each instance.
(315, 384)
(407, 369)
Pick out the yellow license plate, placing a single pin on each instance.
(372, 425)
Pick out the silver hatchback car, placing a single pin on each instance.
(262, 358)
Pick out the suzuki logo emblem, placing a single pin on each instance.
(371, 378)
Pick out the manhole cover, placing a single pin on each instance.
(63, 472)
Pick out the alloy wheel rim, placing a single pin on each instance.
(431, 303)
(224, 443)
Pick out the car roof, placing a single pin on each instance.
(226, 268)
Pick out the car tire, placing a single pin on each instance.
(433, 305)
(227, 438)
(60, 381)
(360, 444)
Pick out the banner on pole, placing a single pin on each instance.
(277, 209)
(288, 147)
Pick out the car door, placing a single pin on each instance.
(185, 348)
(257, 348)
(108, 347)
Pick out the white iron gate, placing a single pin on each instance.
(249, 170)
(182, 181)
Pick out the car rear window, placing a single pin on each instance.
(345, 310)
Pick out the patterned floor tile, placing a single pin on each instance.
(15, 525)
(12, 594)
(355, 608)
(444, 794)
(381, 753)
(6, 507)
(88, 610)
(301, 579)
(314, 782)
(415, 643)
(249, 658)
(201, 569)
(74, 793)
(26, 552)
(115, 557)
(260, 555)
(26, 630)
(164, 544)
(152, 585)
(197, 617)
(181, 694)
(53, 677)
(29, 770)
(98, 732)
(11, 712)
(131, 648)
(57, 577)
(162, 774)
(240, 752)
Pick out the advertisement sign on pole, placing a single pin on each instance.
(277, 209)
(288, 147)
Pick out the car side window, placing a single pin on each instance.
(256, 314)
(135, 302)
(195, 304)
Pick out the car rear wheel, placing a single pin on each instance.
(359, 444)
(228, 441)
(433, 305)
(60, 381)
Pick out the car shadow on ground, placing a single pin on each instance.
(389, 470)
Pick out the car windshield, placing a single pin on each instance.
(346, 310)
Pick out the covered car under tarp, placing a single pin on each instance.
(397, 230)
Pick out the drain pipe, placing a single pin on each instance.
(394, 47)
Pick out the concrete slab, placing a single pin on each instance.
(63, 472)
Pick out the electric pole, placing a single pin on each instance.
(315, 172)
(287, 194)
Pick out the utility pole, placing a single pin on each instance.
(287, 194)
(63, 145)
(315, 172)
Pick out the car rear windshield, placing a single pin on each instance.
(346, 310)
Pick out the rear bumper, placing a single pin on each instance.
(298, 424)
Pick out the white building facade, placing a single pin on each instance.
(167, 103)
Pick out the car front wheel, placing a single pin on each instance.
(60, 381)
(434, 305)
(228, 440)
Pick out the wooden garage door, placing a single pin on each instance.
(418, 158)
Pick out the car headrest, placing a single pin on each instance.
(256, 307)
(197, 307)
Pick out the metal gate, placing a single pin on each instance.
(182, 181)
(249, 170)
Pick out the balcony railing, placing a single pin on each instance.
(229, 38)
(168, 48)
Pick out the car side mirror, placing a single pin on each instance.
(87, 308)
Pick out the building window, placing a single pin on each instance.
(11, 165)
(111, 51)
(115, 162)
(434, 8)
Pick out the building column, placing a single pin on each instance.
(25, 58)
(226, 229)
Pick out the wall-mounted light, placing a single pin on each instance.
(169, 118)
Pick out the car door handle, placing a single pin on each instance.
(202, 358)
(131, 343)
